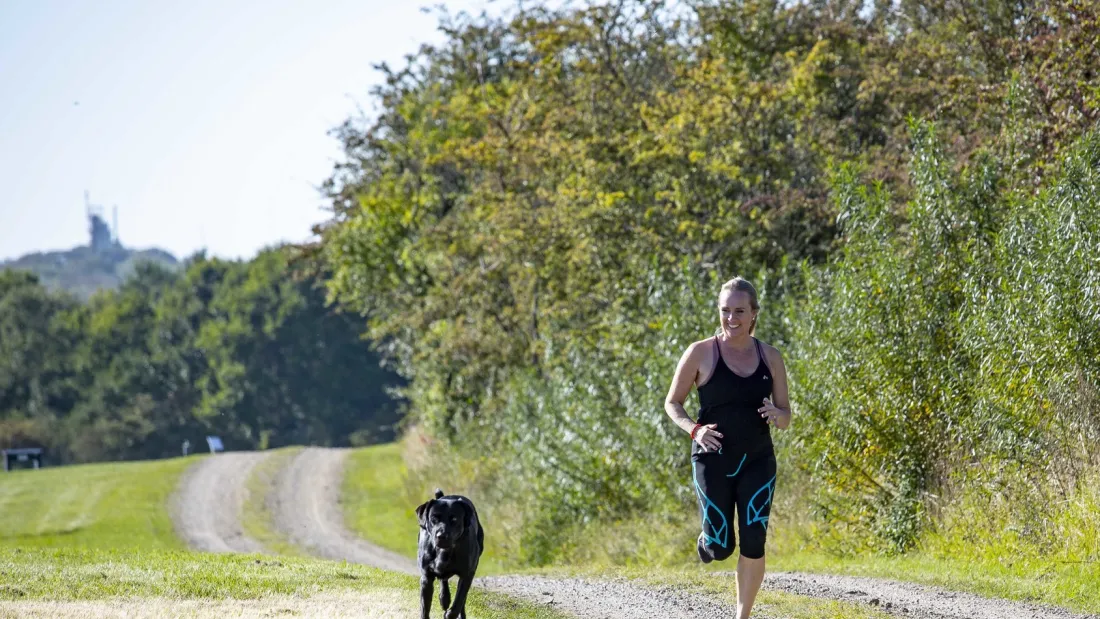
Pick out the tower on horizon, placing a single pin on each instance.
(103, 238)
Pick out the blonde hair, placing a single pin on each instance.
(741, 284)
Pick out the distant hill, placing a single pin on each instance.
(83, 270)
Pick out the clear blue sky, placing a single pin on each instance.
(205, 121)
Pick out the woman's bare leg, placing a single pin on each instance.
(750, 575)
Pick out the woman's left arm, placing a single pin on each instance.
(777, 411)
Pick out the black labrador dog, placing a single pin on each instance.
(451, 541)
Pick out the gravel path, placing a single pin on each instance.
(207, 506)
(609, 599)
(307, 508)
(911, 600)
(625, 599)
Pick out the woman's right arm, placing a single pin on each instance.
(682, 382)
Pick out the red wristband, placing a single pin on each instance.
(693, 430)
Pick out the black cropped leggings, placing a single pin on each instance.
(725, 479)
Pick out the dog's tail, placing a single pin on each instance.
(438, 493)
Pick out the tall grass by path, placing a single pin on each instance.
(117, 505)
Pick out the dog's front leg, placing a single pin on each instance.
(444, 593)
(458, 608)
(425, 595)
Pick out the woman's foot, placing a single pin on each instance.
(701, 548)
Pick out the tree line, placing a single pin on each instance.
(538, 220)
(246, 350)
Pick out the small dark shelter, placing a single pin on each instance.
(22, 457)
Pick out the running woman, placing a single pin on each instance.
(742, 387)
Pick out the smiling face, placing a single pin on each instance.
(735, 314)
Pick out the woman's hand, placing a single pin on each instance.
(707, 436)
(771, 413)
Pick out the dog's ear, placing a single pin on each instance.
(468, 521)
(422, 513)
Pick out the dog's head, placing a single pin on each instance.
(445, 519)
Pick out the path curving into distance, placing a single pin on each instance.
(206, 508)
(307, 509)
(306, 504)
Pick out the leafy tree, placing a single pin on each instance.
(536, 191)
(285, 369)
(38, 383)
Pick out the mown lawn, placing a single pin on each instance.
(119, 505)
(103, 533)
(161, 577)
(376, 506)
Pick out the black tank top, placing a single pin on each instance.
(732, 402)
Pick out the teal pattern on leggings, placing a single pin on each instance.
(721, 531)
(758, 512)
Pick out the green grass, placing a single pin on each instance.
(376, 505)
(103, 532)
(84, 574)
(118, 505)
(256, 517)
(379, 506)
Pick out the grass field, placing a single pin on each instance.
(148, 583)
(119, 506)
(97, 540)
(376, 505)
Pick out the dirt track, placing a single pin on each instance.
(623, 599)
(207, 506)
(307, 508)
(617, 598)
(911, 600)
